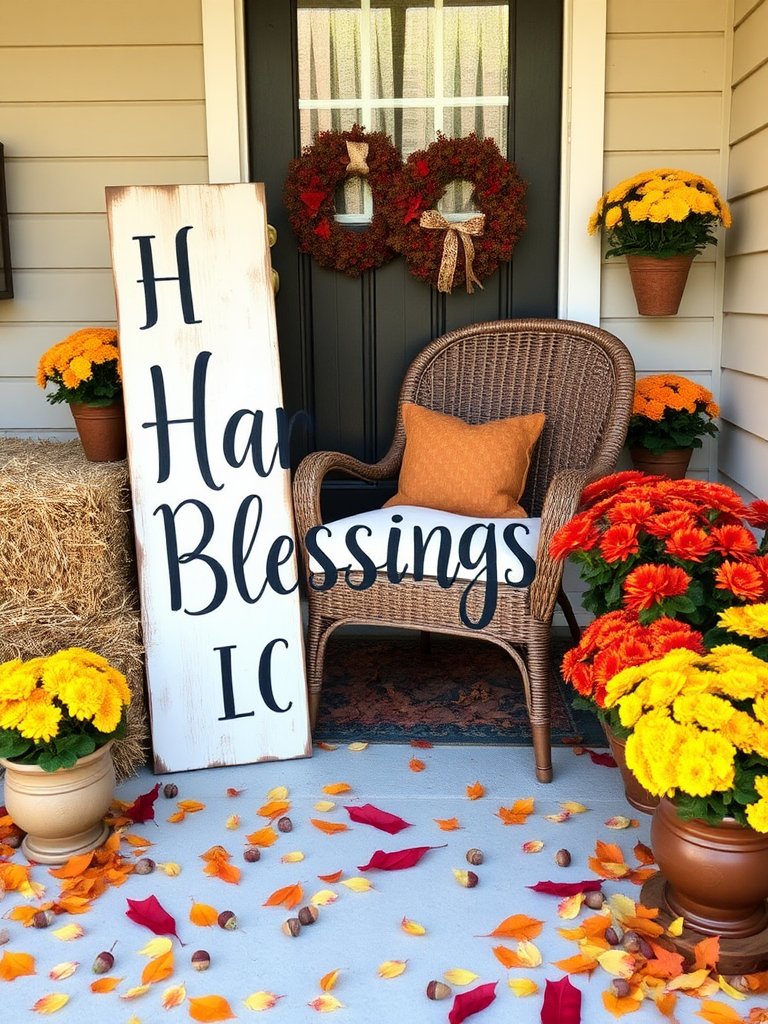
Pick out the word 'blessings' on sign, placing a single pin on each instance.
(208, 452)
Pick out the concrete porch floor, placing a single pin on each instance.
(361, 930)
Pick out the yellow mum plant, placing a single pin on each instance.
(699, 731)
(669, 412)
(56, 709)
(85, 367)
(663, 212)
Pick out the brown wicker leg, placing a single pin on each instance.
(570, 618)
(538, 671)
(542, 752)
(315, 656)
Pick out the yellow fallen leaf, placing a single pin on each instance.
(532, 846)
(156, 947)
(621, 905)
(392, 968)
(412, 927)
(617, 963)
(292, 858)
(729, 989)
(261, 1000)
(558, 818)
(324, 805)
(64, 970)
(324, 897)
(232, 822)
(328, 981)
(523, 986)
(528, 954)
(358, 884)
(69, 932)
(325, 1004)
(688, 981)
(174, 996)
(278, 793)
(135, 992)
(51, 1003)
(170, 868)
(675, 928)
(462, 877)
(572, 807)
(359, 745)
(570, 906)
(460, 976)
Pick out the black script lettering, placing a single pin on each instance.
(367, 564)
(419, 551)
(197, 419)
(225, 661)
(314, 551)
(527, 564)
(241, 552)
(393, 547)
(487, 559)
(175, 559)
(265, 676)
(149, 278)
(254, 441)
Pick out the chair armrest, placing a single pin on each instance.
(313, 469)
(560, 505)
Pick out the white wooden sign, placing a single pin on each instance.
(208, 455)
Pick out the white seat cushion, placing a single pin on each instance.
(462, 549)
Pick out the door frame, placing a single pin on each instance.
(582, 132)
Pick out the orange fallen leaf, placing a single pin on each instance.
(224, 870)
(639, 876)
(134, 840)
(620, 1006)
(577, 964)
(666, 1003)
(322, 745)
(517, 926)
(231, 791)
(644, 854)
(24, 914)
(718, 1013)
(518, 813)
(334, 788)
(328, 981)
(475, 791)
(51, 1003)
(331, 878)
(273, 809)
(329, 827)
(262, 837)
(158, 969)
(105, 984)
(203, 915)
(176, 817)
(210, 1008)
(190, 806)
(416, 765)
(15, 965)
(447, 824)
(706, 952)
(507, 957)
(73, 867)
(288, 896)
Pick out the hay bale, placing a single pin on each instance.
(67, 535)
(40, 631)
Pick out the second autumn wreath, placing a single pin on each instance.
(442, 252)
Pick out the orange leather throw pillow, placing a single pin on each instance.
(471, 470)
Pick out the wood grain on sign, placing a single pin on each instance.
(208, 451)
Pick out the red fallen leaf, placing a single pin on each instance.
(231, 791)
(398, 858)
(422, 744)
(143, 807)
(467, 1003)
(565, 888)
(370, 815)
(562, 1003)
(151, 914)
(604, 759)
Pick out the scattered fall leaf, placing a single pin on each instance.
(447, 824)
(135, 993)
(203, 915)
(329, 827)
(107, 984)
(325, 1004)
(334, 877)
(518, 813)
(322, 745)
(397, 860)
(392, 968)
(718, 1013)
(169, 868)
(324, 897)
(706, 952)
(572, 807)
(63, 970)
(277, 793)
(190, 806)
(467, 1003)
(261, 1000)
(356, 884)
(274, 809)
(232, 822)
(517, 926)
(174, 996)
(460, 976)
(209, 1008)
(689, 981)
(294, 857)
(262, 837)
(675, 928)
(644, 854)
(156, 947)
(558, 818)
(417, 765)
(51, 1003)
(334, 788)
(523, 986)
(158, 969)
(324, 805)
(532, 846)
(618, 822)
(729, 989)
(134, 840)
(367, 814)
(231, 791)
(412, 927)
(288, 896)
(328, 981)
(475, 791)
(570, 906)
(621, 1005)
(357, 746)
(562, 1003)
(618, 963)
(69, 932)
(422, 744)
(152, 915)
(577, 964)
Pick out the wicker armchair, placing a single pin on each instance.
(583, 379)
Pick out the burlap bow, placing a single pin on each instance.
(357, 153)
(434, 220)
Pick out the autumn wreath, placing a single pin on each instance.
(309, 196)
(429, 242)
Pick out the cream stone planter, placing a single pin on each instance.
(61, 811)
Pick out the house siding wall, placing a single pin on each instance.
(144, 62)
(744, 391)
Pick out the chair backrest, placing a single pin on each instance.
(580, 376)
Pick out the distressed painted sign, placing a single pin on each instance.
(208, 454)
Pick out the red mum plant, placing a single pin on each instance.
(615, 641)
(658, 547)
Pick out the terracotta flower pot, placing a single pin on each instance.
(636, 795)
(716, 875)
(61, 811)
(101, 429)
(673, 463)
(658, 284)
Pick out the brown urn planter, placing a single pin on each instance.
(716, 875)
(101, 429)
(673, 463)
(636, 795)
(658, 284)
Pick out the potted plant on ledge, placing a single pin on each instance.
(85, 367)
(58, 718)
(670, 416)
(659, 220)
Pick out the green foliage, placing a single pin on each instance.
(102, 387)
(678, 428)
(672, 238)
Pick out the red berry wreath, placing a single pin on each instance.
(431, 244)
(310, 190)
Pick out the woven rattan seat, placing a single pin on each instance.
(583, 379)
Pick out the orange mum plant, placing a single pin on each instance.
(85, 367)
(670, 412)
(658, 547)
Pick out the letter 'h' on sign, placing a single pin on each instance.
(208, 452)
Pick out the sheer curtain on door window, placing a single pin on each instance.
(409, 68)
